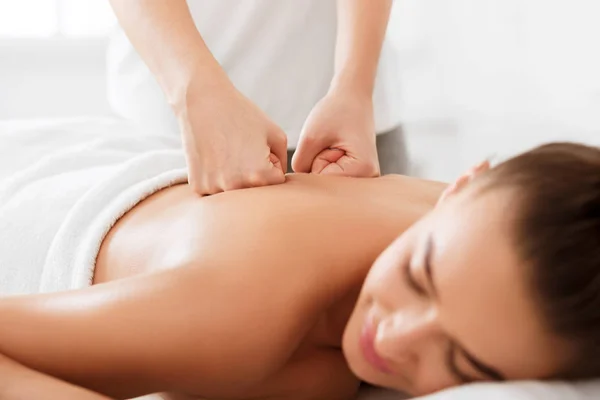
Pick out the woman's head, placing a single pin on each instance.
(501, 281)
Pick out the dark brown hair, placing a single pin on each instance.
(558, 237)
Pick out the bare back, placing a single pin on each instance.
(309, 219)
(329, 230)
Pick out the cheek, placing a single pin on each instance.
(383, 286)
(386, 271)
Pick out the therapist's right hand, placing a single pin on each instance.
(229, 142)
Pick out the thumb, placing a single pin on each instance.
(277, 142)
(273, 175)
(308, 149)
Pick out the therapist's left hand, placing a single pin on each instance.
(338, 137)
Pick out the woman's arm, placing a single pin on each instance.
(20, 383)
(221, 325)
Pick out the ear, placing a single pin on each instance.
(464, 180)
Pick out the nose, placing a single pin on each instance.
(401, 335)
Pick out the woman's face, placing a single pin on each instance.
(448, 303)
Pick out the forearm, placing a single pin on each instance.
(176, 330)
(165, 36)
(362, 25)
(20, 383)
(125, 338)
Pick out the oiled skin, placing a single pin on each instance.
(240, 295)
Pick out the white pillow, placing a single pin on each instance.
(523, 390)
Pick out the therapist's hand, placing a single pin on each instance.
(338, 137)
(229, 142)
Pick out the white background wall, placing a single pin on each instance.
(52, 57)
(478, 77)
(52, 79)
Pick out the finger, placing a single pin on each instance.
(269, 176)
(308, 149)
(277, 142)
(197, 188)
(352, 167)
(325, 158)
(214, 182)
(233, 182)
(198, 183)
(207, 189)
(194, 169)
(277, 163)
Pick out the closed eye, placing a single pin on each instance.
(460, 376)
(411, 281)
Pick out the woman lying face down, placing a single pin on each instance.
(273, 293)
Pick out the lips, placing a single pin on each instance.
(367, 345)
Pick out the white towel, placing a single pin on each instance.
(63, 186)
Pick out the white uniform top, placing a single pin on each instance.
(279, 53)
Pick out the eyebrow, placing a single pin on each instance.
(475, 363)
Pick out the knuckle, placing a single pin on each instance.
(370, 171)
(214, 184)
(200, 185)
(197, 188)
(276, 179)
(373, 168)
(233, 183)
(256, 178)
(282, 136)
(308, 138)
(213, 189)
